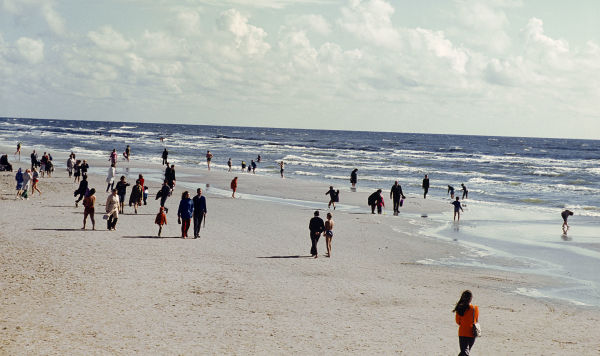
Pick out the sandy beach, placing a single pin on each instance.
(249, 285)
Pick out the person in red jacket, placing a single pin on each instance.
(466, 315)
(234, 186)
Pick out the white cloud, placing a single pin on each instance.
(32, 50)
(53, 18)
(371, 22)
(248, 38)
(436, 42)
(109, 40)
(484, 24)
(312, 22)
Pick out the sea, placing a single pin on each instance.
(518, 186)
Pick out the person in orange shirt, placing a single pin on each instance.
(233, 186)
(466, 315)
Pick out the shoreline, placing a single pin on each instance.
(245, 287)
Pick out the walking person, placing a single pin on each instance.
(233, 186)
(113, 157)
(163, 194)
(165, 156)
(70, 165)
(565, 215)
(209, 157)
(43, 164)
(110, 178)
(316, 226)
(465, 191)
(122, 191)
(112, 210)
(84, 168)
(281, 168)
(19, 179)
(375, 200)
(81, 191)
(35, 178)
(77, 171)
(457, 209)
(34, 160)
(199, 211)
(18, 150)
(161, 219)
(136, 195)
(329, 233)
(229, 164)
(88, 203)
(396, 195)
(253, 164)
(466, 316)
(354, 178)
(170, 176)
(425, 186)
(333, 197)
(127, 153)
(27, 179)
(185, 213)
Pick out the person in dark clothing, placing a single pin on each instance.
(425, 186)
(170, 176)
(83, 187)
(163, 194)
(165, 155)
(565, 215)
(451, 191)
(185, 213)
(354, 177)
(375, 200)
(316, 227)
(457, 208)
(122, 191)
(396, 194)
(465, 191)
(84, 168)
(334, 197)
(199, 211)
(34, 160)
(253, 165)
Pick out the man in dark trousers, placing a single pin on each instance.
(425, 186)
(316, 227)
(165, 155)
(396, 194)
(170, 176)
(199, 211)
(163, 194)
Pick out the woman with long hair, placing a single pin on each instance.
(466, 315)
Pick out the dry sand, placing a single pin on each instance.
(248, 285)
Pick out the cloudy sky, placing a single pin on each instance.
(495, 67)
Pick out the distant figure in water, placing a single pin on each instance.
(565, 215)
(329, 233)
(127, 153)
(281, 168)
(162, 139)
(229, 164)
(258, 159)
(465, 191)
(425, 186)
(243, 166)
(354, 178)
(209, 157)
(161, 219)
(451, 191)
(334, 197)
(457, 209)
(19, 151)
(113, 157)
(253, 165)
(233, 186)
(165, 156)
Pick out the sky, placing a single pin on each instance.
(496, 67)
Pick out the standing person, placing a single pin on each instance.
(110, 178)
(376, 200)
(70, 165)
(253, 164)
(27, 179)
(19, 179)
(81, 191)
(329, 233)
(35, 178)
(77, 169)
(127, 153)
(258, 159)
(243, 166)
(229, 164)
(113, 157)
(49, 166)
(135, 197)
(185, 213)
(199, 211)
(144, 188)
(88, 202)
(84, 168)
(333, 197)
(209, 157)
(466, 316)
(425, 186)
(112, 210)
(465, 191)
(451, 191)
(34, 160)
(161, 219)
(170, 177)
(316, 227)
(163, 194)
(233, 186)
(18, 150)
(396, 194)
(565, 215)
(457, 209)
(43, 164)
(281, 168)
(122, 191)
(165, 156)
(354, 177)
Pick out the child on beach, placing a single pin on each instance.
(329, 233)
(457, 208)
(161, 219)
(565, 215)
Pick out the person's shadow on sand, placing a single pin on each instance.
(294, 256)
(154, 237)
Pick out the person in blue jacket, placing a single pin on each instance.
(185, 213)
